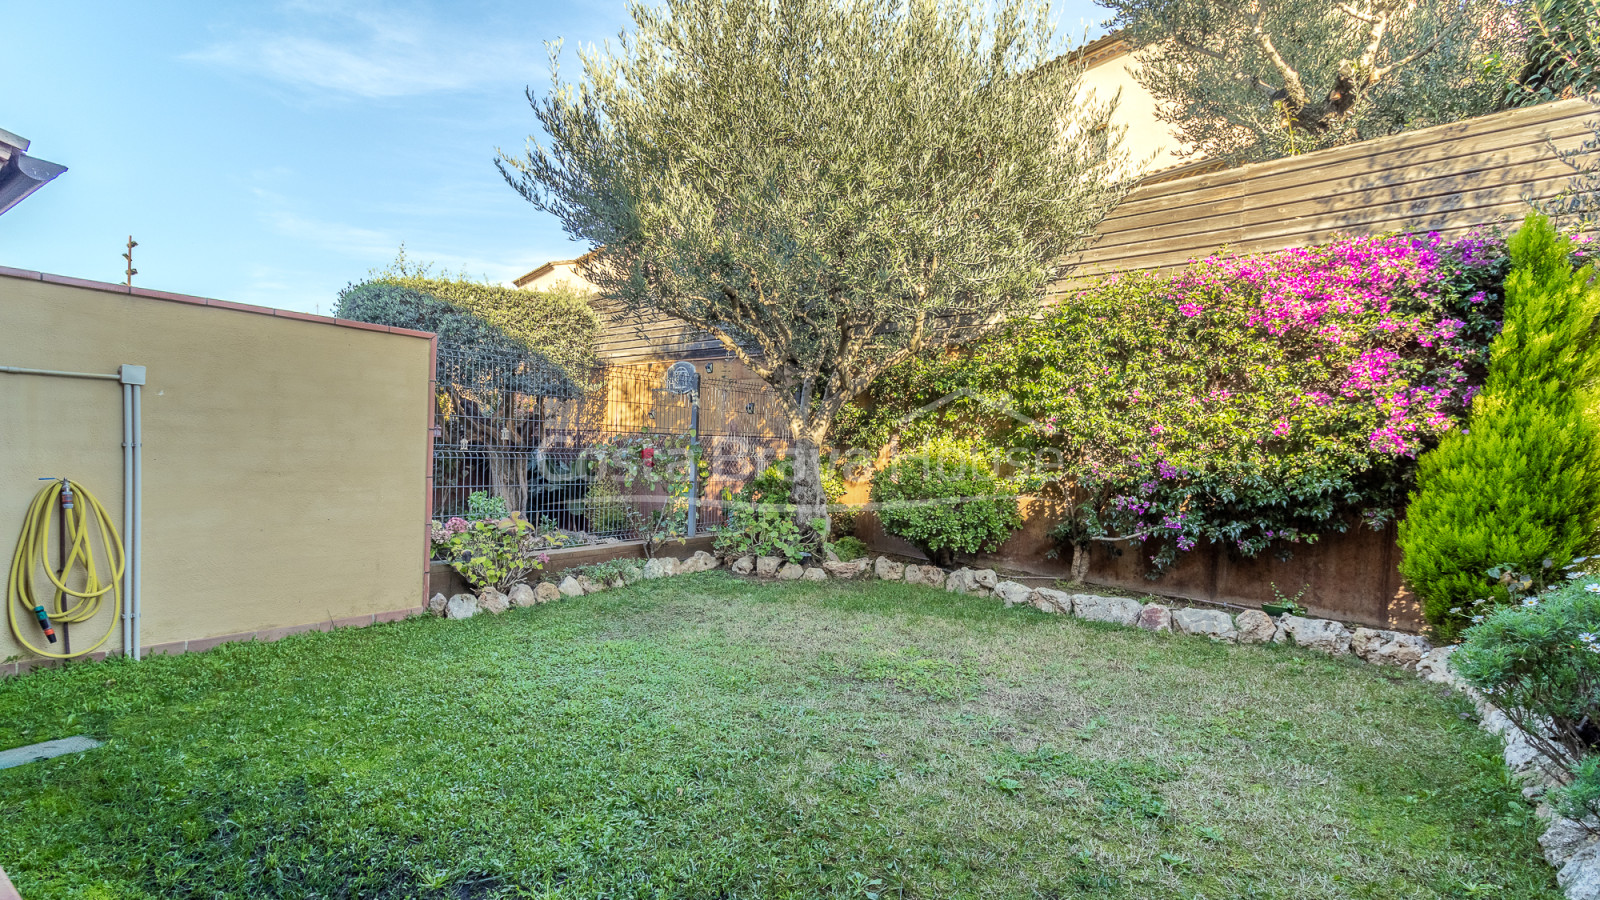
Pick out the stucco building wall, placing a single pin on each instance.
(1110, 72)
(285, 456)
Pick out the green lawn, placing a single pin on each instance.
(706, 737)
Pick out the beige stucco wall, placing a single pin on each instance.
(560, 273)
(285, 460)
(1149, 140)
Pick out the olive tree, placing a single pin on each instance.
(826, 186)
(1256, 79)
(1562, 56)
(1562, 62)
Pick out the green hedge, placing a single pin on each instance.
(557, 324)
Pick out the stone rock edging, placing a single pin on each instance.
(1570, 847)
(489, 600)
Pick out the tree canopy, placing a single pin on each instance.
(1562, 58)
(1265, 78)
(827, 186)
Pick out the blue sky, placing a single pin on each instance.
(271, 153)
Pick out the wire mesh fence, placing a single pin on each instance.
(518, 435)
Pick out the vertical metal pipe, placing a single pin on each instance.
(127, 519)
(694, 462)
(62, 597)
(138, 514)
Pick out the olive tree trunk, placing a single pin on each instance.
(811, 501)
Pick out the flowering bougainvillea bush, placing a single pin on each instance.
(1258, 401)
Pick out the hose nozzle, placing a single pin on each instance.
(44, 623)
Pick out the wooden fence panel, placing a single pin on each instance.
(1452, 178)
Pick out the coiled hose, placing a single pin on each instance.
(68, 606)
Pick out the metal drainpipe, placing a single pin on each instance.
(127, 515)
(694, 462)
(132, 379)
(135, 376)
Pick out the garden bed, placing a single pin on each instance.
(707, 736)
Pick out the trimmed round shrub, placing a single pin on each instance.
(946, 499)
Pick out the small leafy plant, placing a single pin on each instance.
(761, 516)
(605, 507)
(1539, 663)
(1282, 605)
(946, 499)
(849, 548)
(483, 505)
(761, 529)
(607, 571)
(488, 552)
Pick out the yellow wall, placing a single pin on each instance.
(560, 273)
(284, 460)
(1149, 140)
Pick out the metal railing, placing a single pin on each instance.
(517, 434)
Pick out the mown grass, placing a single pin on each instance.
(704, 737)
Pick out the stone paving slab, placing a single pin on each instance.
(47, 750)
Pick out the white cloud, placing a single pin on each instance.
(374, 248)
(358, 52)
(349, 240)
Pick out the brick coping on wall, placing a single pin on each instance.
(197, 645)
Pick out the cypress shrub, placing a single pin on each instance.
(1520, 486)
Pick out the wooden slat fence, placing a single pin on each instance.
(1450, 178)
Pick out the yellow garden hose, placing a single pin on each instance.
(68, 606)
